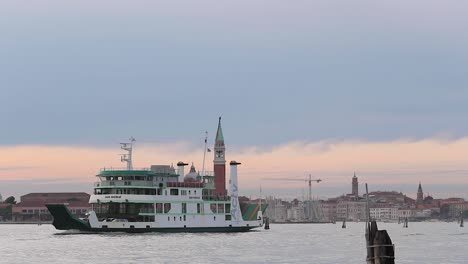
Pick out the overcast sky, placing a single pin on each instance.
(92, 73)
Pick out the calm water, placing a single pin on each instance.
(306, 243)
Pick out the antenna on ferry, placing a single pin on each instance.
(204, 153)
(127, 157)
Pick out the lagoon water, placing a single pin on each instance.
(284, 243)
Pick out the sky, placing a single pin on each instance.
(319, 87)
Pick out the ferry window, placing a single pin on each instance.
(167, 208)
(185, 219)
(159, 208)
(174, 218)
(214, 218)
(174, 191)
(198, 208)
(213, 208)
(168, 218)
(228, 208)
(195, 192)
(228, 218)
(189, 192)
(180, 218)
(184, 208)
(220, 208)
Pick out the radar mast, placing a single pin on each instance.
(127, 157)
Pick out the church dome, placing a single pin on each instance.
(192, 175)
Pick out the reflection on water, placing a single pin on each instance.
(294, 243)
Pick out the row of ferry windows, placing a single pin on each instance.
(173, 192)
(227, 218)
(137, 178)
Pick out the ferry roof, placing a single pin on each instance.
(132, 173)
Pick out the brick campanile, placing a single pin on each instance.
(220, 162)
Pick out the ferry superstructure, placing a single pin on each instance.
(161, 199)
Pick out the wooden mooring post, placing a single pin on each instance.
(380, 249)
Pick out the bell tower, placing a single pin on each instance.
(220, 163)
(420, 195)
(355, 186)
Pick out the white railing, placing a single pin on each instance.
(123, 169)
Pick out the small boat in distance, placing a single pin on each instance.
(159, 199)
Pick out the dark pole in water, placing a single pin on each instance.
(267, 223)
(380, 249)
(344, 220)
(461, 219)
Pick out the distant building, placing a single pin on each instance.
(405, 213)
(31, 207)
(329, 210)
(383, 212)
(454, 200)
(393, 198)
(353, 210)
(1, 199)
(453, 210)
(355, 186)
(420, 196)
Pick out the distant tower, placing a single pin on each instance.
(220, 162)
(420, 197)
(355, 186)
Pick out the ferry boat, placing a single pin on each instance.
(161, 199)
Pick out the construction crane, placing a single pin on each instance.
(309, 180)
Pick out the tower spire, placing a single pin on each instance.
(219, 135)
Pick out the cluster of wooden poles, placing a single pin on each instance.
(380, 249)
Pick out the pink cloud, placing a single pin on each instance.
(395, 162)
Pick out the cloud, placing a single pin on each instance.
(17, 168)
(430, 161)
